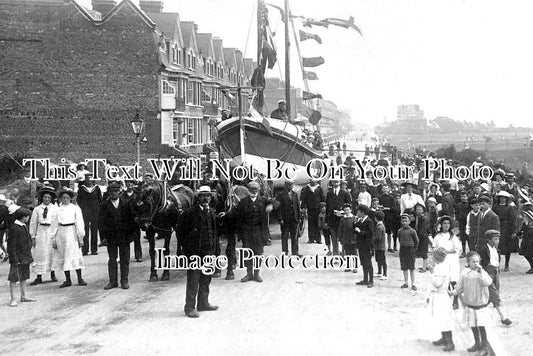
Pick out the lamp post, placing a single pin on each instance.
(138, 125)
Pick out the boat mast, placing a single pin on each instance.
(287, 61)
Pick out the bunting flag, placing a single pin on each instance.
(314, 116)
(310, 76)
(281, 11)
(350, 23)
(256, 114)
(309, 36)
(308, 95)
(344, 23)
(268, 54)
(312, 61)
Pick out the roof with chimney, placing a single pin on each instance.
(169, 24)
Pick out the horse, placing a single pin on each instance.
(157, 208)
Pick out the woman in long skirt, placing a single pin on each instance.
(40, 231)
(452, 245)
(67, 239)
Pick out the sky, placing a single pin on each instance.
(465, 59)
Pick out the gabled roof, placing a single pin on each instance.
(205, 45)
(219, 50)
(134, 7)
(169, 24)
(189, 35)
(229, 56)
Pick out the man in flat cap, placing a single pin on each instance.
(251, 215)
(197, 232)
(281, 112)
(117, 223)
(488, 220)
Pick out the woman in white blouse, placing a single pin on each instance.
(40, 231)
(67, 238)
(446, 239)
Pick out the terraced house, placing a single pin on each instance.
(72, 78)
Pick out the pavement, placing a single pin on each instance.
(301, 312)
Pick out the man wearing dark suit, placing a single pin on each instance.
(488, 220)
(197, 232)
(117, 222)
(364, 231)
(490, 261)
(311, 197)
(335, 199)
(89, 200)
(288, 217)
(251, 215)
(129, 197)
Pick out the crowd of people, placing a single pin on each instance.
(476, 220)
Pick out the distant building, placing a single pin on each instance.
(411, 117)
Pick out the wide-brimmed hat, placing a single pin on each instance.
(12, 208)
(528, 213)
(485, 187)
(503, 193)
(47, 188)
(64, 191)
(439, 254)
(405, 184)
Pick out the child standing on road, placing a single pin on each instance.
(324, 226)
(347, 234)
(19, 249)
(473, 289)
(408, 244)
(439, 301)
(380, 245)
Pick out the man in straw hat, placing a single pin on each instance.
(197, 232)
(42, 218)
(251, 214)
(490, 261)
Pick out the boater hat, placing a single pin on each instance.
(204, 189)
(503, 193)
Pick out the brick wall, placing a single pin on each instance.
(68, 88)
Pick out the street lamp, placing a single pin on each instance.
(138, 125)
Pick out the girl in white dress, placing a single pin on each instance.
(439, 301)
(40, 231)
(452, 245)
(67, 238)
